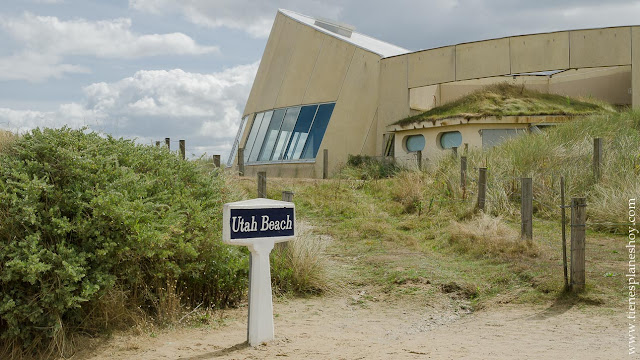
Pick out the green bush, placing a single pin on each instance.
(82, 214)
(368, 167)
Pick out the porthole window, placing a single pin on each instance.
(450, 139)
(414, 143)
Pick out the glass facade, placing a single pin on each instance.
(288, 134)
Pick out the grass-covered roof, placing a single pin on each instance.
(508, 100)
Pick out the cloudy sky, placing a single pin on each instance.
(150, 69)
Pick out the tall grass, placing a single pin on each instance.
(565, 150)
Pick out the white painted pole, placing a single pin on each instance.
(260, 301)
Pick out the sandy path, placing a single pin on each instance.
(348, 328)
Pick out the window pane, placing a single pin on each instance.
(285, 132)
(451, 139)
(272, 135)
(236, 142)
(260, 136)
(248, 145)
(300, 132)
(493, 137)
(414, 143)
(317, 131)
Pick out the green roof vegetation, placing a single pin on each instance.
(504, 99)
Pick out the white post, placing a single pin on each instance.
(259, 224)
(260, 301)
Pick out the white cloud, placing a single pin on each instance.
(47, 40)
(34, 66)
(105, 39)
(253, 17)
(73, 115)
(205, 109)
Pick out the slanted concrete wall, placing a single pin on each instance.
(301, 65)
(353, 120)
(393, 102)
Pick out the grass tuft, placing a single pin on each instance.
(489, 237)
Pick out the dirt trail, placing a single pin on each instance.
(353, 328)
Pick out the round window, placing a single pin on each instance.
(414, 143)
(450, 139)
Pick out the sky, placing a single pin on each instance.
(150, 69)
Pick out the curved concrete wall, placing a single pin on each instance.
(437, 76)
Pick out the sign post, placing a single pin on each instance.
(259, 224)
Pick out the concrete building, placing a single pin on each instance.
(321, 85)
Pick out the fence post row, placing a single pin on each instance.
(262, 184)
(526, 209)
(597, 158)
(241, 161)
(578, 218)
(482, 187)
(182, 149)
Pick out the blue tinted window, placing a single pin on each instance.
(262, 130)
(300, 132)
(317, 131)
(251, 140)
(451, 139)
(272, 135)
(285, 132)
(414, 143)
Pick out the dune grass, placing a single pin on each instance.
(504, 99)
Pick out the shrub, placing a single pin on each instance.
(82, 216)
(368, 167)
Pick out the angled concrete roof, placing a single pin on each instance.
(365, 42)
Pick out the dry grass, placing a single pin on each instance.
(489, 237)
(300, 266)
(6, 138)
(509, 100)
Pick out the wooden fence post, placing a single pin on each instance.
(578, 219)
(157, 143)
(482, 187)
(167, 143)
(216, 161)
(262, 184)
(182, 149)
(526, 209)
(419, 159)
(287, 196)
(241, 161)
(325, 163)
(597, 158)
(564, 234)
(454, 151)
(463, 175)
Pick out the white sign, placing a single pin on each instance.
(259, 224)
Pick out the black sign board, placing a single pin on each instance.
(261, 223)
